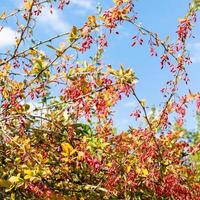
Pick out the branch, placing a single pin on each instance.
(155, 36)
(143, 108)
(24, 30)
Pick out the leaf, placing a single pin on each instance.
(29, 172)
(128, 169)
(26, 107)
(67, 149)
(137, 170)
(33, 51)
(92, 21)
(66, 115)
(167, 38)
(28, 4)
(26, 71)
(59, 52)
(80, 155)
(111, 70)
(5, 183)
(73, 34)
(143, 102)
(197, 4)
(51, 47)
(12, 196)
(119, 2)
(3, 15)
(76, 48)
(109, 164)
(17, 41)
(82, 129)
(14, 179)
(145, 172)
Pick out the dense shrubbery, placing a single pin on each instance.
(66, 146)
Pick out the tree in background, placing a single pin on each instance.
(66, 146)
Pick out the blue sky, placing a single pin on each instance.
(158, 16)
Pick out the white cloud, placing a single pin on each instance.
(87, 4)
(195, 52)
(53, 21)
(7, 37)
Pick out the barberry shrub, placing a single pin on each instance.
(57, 136)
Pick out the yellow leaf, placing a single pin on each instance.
(111, 70)
(33, 51)
(66, 159)
(128, 169)
(67, 149)
(17, 41)
(143, 102)
(92, 21)
(137, 170)
(142, 171)
(3, 15)
(71, 71)
(73, 34)
(28, 4)
(59, 53)
(12, 196)
(28, 172)
(80, 155)
(5, 93)
(120, 2)
(14, 179)
(109, 164)
(4, 183)
(145, 172)
(27, 177)
(19, 85)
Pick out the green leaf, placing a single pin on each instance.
(51, 47)
(26, 107)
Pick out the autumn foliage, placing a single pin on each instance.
(66, 147)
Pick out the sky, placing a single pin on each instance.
(156, 15)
